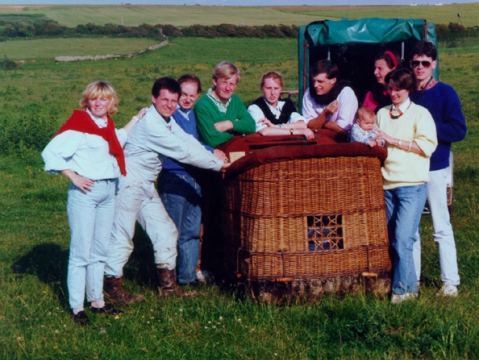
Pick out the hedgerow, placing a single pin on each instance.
(48, 28)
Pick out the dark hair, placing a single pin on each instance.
(190, 78)
(390, 57)
(325, 67)
(402, 79)
(165, 83)
(425, 48)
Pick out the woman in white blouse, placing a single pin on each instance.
(88, 150)
(273, 115)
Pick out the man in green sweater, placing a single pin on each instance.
(220, 113)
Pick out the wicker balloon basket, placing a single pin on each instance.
(309, 224)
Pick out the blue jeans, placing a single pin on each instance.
(404, 206)
(90, 217)
(181, 196)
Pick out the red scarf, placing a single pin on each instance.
(81, 121)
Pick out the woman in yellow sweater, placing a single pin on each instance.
(410, 135)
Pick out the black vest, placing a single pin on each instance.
(286, 111)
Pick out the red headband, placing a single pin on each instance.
(393, 58)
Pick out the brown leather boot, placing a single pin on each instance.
(115, 294)
(167, 284)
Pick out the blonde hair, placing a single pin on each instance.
(97, 89)
(275, 75)
(226, 70)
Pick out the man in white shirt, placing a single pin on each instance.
(329, 102)
(156, 137)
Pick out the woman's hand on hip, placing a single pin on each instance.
(83, 183)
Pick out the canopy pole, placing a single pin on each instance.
(305, 66)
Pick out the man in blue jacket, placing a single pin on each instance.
(444, 105)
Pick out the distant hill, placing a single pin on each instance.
(213, 15)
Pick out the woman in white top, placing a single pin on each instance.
(88, 150)
(273, 115)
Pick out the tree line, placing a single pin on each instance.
(53, 29)
(49, 28)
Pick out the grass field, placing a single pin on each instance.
(213, 15)
(35, 320)
(48, 49)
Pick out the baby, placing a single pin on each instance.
(365, 129)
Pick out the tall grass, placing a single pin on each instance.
(222, 323)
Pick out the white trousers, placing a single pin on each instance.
(443, 234)
(140, 201)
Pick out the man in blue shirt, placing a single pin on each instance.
(444, 105)
(179, 189)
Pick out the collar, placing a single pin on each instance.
(404, 106)
(167, 122)
(184, 112)
(101, 123)
(221, 107)
(430, 83)
(276, 108)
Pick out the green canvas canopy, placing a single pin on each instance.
(353, 44)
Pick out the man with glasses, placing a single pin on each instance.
(444, 105)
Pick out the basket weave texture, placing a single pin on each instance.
(307, 218)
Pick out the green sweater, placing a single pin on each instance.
(207, 114)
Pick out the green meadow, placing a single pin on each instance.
(48, 49)
(35, 321)
(213, 15)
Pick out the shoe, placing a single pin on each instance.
(396, 299)
(116, 295)
(81, 319)
(204, 275)
(448, 290)
(107, 309)
(167, 284)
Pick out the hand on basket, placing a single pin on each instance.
(308, 134)
(221, 155)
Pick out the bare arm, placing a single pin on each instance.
(320, 121)
(296, 125)
(331, 125)
(307, 133)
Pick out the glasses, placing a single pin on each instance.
(424, 63)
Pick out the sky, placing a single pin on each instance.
(232, 2)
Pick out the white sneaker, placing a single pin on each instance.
(448, 290)
(204, 275)
(396, 299)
